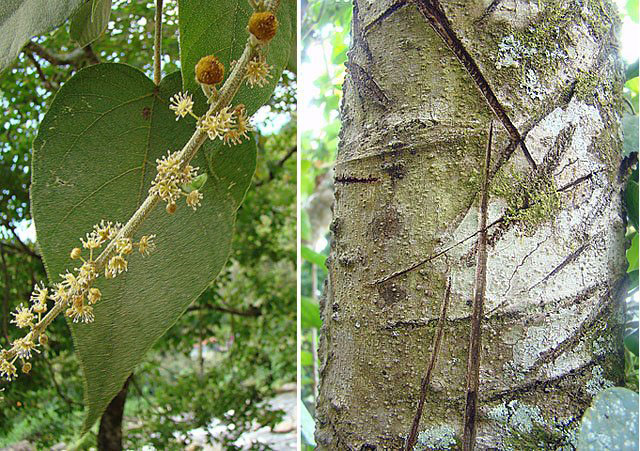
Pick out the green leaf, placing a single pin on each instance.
(309, 313)
(632, 254)
(630, 132)
(220, 29)
(631, 198)
(611, 422)
(306, 358)
(308, 426)
(313, 257)
(197, 183)
(94, 158)
(20, 20)
(631, 342)
(88, 23)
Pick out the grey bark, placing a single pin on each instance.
(407, 182)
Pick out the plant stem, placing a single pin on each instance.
(157, 44)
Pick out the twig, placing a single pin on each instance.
(47, 84)
(426, 380)
(280, 163)
(58, 59)
(5, 298)
(473, 362)
(64, 397)
(157, 44)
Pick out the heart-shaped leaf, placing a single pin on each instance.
(220, 29)
(94, 158)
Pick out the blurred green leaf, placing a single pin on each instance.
(89, 21)
(632, 83)
(631, 342)
(631, 198)
(310, 313)
(313, 257)
(306, 358)
(632, 254)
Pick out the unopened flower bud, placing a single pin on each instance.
(76, 252)
(171, 208)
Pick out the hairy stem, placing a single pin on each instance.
(157, 44)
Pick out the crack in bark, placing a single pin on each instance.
(521, 264)
(537, 384)
(602, 308)
(433, 12)
(487, 12)
(569, 259)
(426, 380)
(366, 85)
(350, 179)
(386, 13)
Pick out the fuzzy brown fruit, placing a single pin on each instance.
(209, 70)
(263, 26)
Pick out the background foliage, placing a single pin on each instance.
(226, 356)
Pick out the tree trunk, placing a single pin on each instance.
(424, 82)
(110, 432)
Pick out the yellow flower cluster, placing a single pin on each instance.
(229, 125)
(258, 72)
(74, 292)
(170, 179)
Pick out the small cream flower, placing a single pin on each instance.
(7, 369)
(87, 273)
(124, 246)
(194, 198)
(71, 283)
(23, 317)
(258, 72)
(146, 245)
(94, 295)
(216, 125)
(242, 127)
(107, 230)
(39, 294)
(117, 264)
(24, 346)
(94, 241)
(60, 294)
(75, 253)
(182, 104)
(80, 312)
